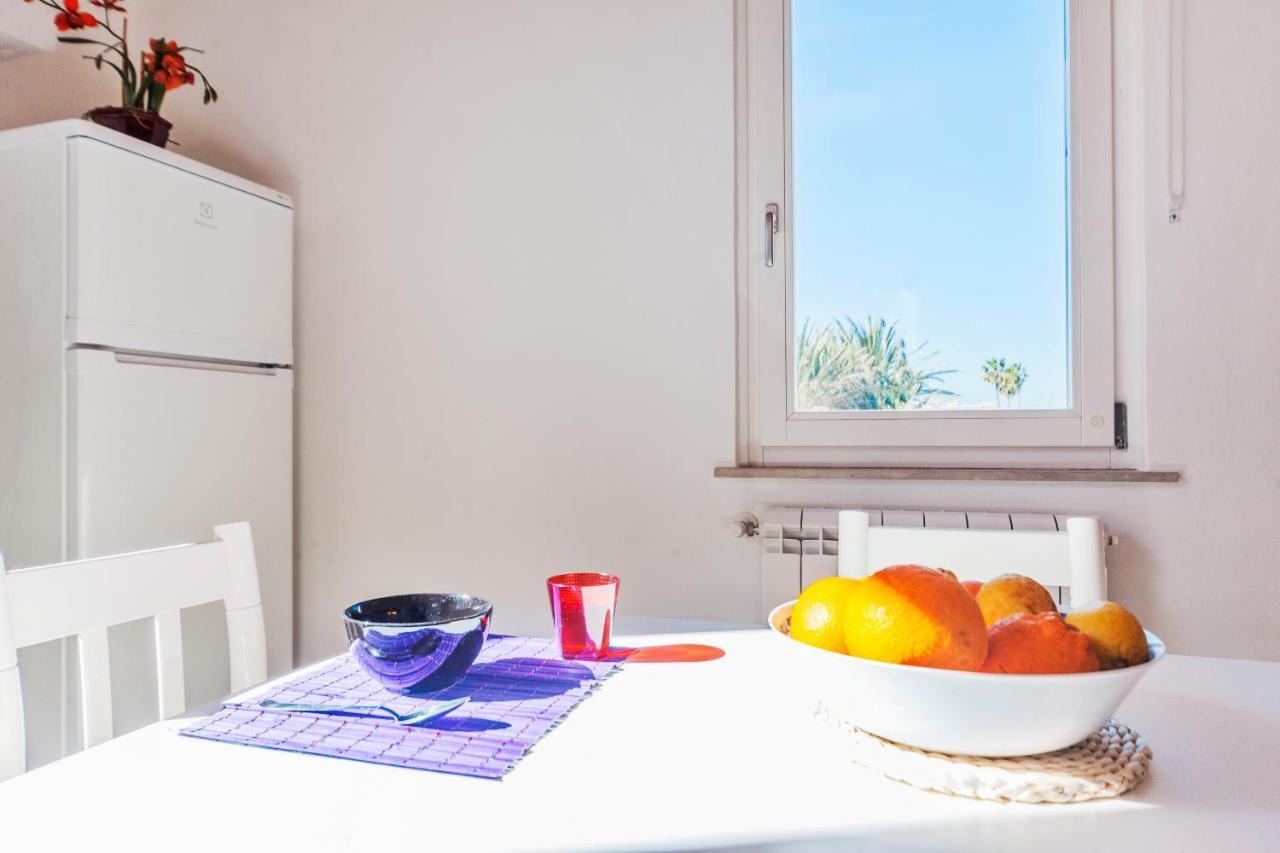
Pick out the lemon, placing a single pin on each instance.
(1116, 634)
(816, 617)
(1007, 595)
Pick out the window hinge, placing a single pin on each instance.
(1122, 427)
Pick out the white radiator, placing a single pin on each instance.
(802, 545)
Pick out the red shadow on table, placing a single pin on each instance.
(673, 653)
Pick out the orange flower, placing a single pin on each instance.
(173, 72)
(72, 18)
(173, 81)
(109, 5)
(167, 65)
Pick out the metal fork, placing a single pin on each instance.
(433, 711)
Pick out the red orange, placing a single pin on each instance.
(1038, 644)
(915, 615)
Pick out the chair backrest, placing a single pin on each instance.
(1068, 558)
(83, 599)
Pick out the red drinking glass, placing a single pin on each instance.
(582, 606)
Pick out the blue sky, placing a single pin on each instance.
(929, 179)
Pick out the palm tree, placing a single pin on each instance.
(825, 370)
(846, 366)
(992, 370)
(1007, 379)
(1012, 380)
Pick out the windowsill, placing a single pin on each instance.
(1012, 475)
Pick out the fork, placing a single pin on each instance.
(432, 711)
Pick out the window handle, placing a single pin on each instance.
(770, 229)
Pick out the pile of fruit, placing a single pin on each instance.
(927, 617)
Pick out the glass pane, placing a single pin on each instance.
(929, 201)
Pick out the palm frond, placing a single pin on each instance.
(847, 366)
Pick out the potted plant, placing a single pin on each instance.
(143, 85)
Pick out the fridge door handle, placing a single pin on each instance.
(192, 363)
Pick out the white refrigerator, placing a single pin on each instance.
(146, 382)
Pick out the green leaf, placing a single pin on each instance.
(848, 366)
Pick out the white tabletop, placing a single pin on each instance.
(668, 756)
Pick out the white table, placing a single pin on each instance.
(667, 756)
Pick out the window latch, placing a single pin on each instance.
(770, 229)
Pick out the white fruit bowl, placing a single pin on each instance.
(961, 713)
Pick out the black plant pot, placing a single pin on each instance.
(134, 122)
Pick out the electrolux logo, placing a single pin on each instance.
(205, 219)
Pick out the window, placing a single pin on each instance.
(926, 239)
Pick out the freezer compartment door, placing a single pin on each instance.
(161, 452)
(165, 260)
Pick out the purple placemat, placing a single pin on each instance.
(520, 689)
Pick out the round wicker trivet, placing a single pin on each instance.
(1109, 762)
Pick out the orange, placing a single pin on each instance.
(917, 616)
(1116, 634)
(816, 617)
(971, 587)
(1006, 595)
(1038, 643)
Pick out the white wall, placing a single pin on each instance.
(515, 307)
(49, 86)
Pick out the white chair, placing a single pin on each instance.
(1068, 558)
(83, 599)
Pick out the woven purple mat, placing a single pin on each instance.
(520, 689)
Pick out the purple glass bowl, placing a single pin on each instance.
(417, 643)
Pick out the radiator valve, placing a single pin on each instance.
(746, 524)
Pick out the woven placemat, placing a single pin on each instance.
(1109, 762)
(519, 689)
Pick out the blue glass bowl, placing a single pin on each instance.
(417, 643)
